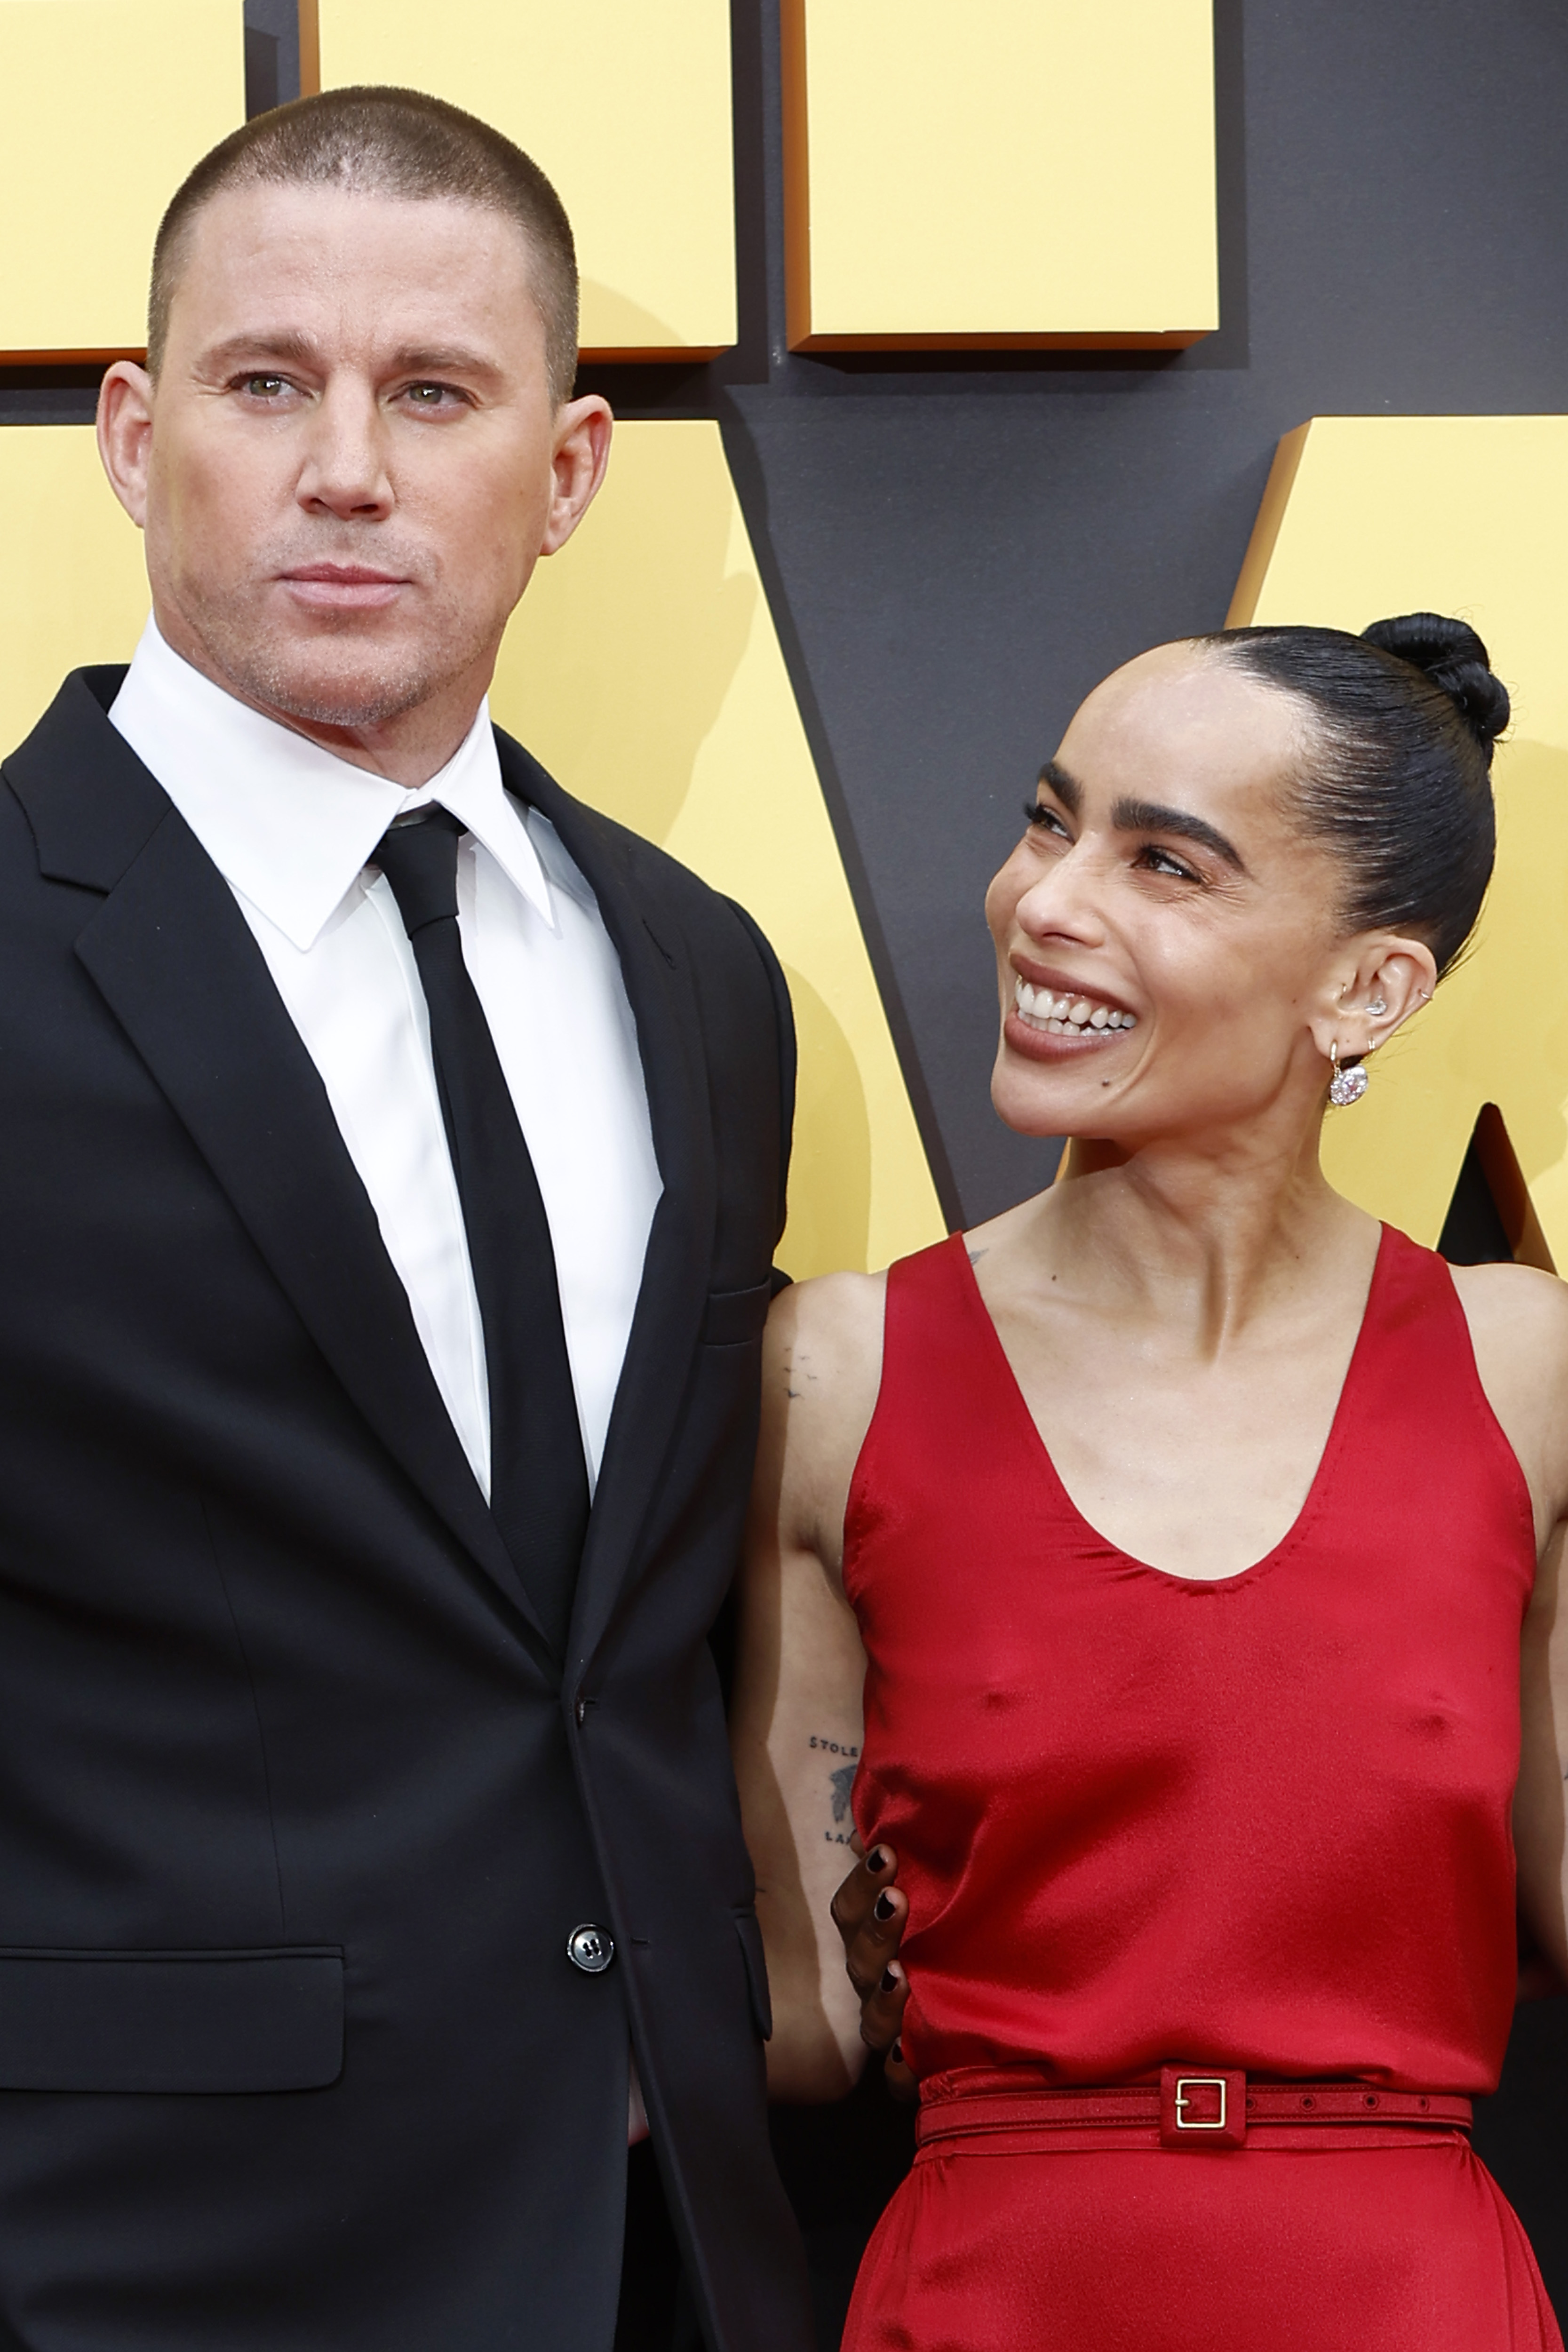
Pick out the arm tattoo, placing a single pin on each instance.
(841, 1781)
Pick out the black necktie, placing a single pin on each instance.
(539, 1485)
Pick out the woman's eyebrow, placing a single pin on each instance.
(1068, 789)
(1131, 816)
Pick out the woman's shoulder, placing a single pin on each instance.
(1520, 1306)
(830, 1309)
(824, 1341)
(1517, 1319)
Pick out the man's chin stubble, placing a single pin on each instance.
(295, 690)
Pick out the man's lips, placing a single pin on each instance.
(342, 587)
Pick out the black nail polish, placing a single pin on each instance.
(897, 2053)
(876, 1862)
(889, 1982)
(883, 1907)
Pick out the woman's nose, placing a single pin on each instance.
(1063, 900)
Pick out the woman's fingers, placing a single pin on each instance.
(870, 1911)
(899, 2077)
(882, 2009)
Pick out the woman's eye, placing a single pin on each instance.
(1044, 820)
(1159, 861)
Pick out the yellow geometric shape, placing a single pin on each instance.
(626, 109)
(75, 588)
(1008, 174)
(104, 106)
(644, 670)
(1367, 516)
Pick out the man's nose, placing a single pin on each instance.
(345, 468)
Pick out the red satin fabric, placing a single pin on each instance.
(1261, 1823)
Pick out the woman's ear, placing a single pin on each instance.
(1367, 999)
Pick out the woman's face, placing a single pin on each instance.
(1164, 933)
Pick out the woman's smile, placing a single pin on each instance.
(1070, 1012)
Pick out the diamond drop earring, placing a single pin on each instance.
(1346, 1086)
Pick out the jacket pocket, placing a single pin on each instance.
(731, 1318)
(170, 2022)
(751, 1952)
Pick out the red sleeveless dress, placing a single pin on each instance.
(1148, 1823)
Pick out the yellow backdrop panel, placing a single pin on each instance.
(1011, 172)
(75, 590)
(626, 109)
(643, 668)
(104, 106)
(1366, 517)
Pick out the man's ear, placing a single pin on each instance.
(125, 435)
(581, 453)
(1378, 982)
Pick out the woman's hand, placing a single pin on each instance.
(869, 1911)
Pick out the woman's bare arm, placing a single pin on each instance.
(796, 1723)
(1519, 1326)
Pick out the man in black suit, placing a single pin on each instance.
(393, 1152)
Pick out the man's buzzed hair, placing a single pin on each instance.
(376, 142)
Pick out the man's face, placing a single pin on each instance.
(349, 465)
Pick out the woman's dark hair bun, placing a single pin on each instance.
(1396, 773)
(1451, 654)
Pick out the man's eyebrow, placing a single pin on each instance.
(273, 344)
(1131, 816)
(1068, 789)
(441, 358)
(288, 346)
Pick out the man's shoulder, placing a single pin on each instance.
(710, 927)
(86, 798)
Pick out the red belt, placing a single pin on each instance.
(1191, 2107)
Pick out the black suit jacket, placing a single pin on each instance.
(296, 1813)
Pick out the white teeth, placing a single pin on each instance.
(1069, 1015)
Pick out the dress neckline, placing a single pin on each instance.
(1311, 1501)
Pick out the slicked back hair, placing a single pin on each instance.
(377, 141)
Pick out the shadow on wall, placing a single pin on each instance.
(830, 1191)
(624, 730)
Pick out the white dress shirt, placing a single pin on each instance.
(290, 828)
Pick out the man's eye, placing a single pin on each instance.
(265, 387)
(1044, 820)
(429, 396)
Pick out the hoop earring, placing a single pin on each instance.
(1346, 1086)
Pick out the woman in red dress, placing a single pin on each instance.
(1158, 1559)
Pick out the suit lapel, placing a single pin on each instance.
(674, 1289)
(175, 962)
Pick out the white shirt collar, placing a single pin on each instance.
(289, 825)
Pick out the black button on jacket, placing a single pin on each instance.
(297, 1811)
